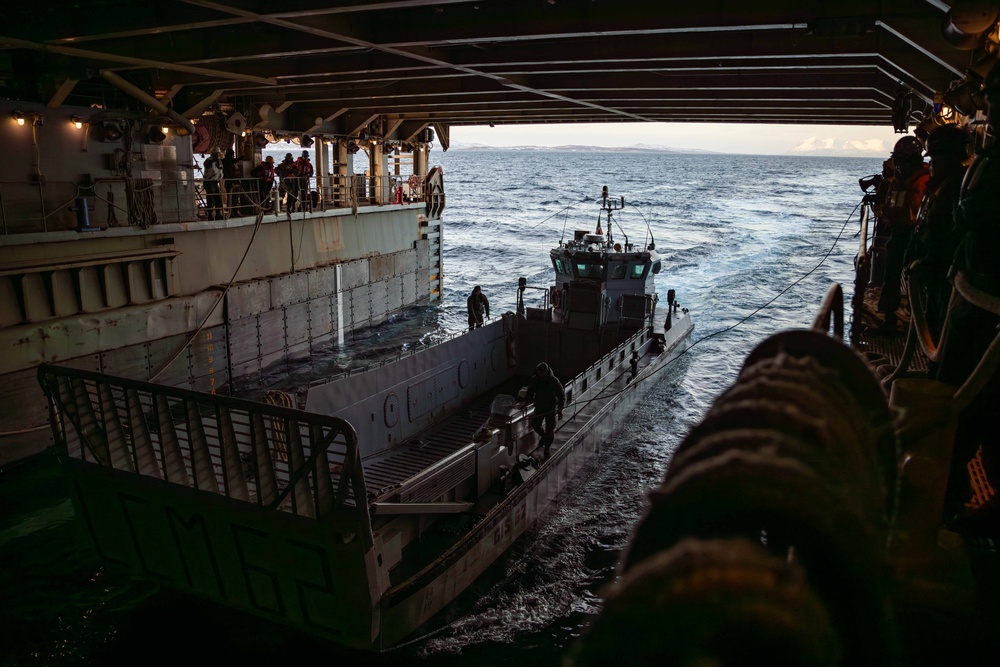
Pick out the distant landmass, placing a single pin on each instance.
(574, 148)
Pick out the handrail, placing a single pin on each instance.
(276, 457)
(862, 268)
(831, 311)
(27, 207)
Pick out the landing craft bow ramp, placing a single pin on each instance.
(332, 68)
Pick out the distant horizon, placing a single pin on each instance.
(658, 150)
(726, 138)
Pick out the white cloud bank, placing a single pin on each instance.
(816, 146)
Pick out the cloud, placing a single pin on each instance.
(814, 144)
(867, 146)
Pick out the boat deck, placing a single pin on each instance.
(387, 470)
(879, 348)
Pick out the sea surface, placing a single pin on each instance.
(749, 243)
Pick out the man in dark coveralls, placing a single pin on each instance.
(478, 304)
(972, 329)
(933, 245)
(549, 397)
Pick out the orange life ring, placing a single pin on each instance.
(556, 297)
(414, 182)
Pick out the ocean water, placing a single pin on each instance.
(749, 243)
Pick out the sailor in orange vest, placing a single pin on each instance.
(900, 213)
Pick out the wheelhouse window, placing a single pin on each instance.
(637, 271)
(618, 271)
(592, 270)
(560, 266)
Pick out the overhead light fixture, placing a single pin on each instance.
(18, 116)
(77, 122)
(165, 130)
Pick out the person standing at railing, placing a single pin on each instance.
(901, 214)
(287, 172)
(232, 174)
(264, 173)
(477, 304)
(305, 171)
(972, 329)
(930, 253)
(212, 179)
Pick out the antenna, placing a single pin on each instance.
(610, 206)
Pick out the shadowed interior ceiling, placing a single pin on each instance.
(325, 66)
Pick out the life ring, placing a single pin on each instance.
(414, 182)
(556, 297)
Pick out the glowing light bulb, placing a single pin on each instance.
(77, 122)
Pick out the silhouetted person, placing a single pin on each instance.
(288, 185)
(970, 329)
(934, 239)
(900, 213)
(212, 180)
(477, 304)
(548, 395)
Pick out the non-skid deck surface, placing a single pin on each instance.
(882, 349)
(388, 469)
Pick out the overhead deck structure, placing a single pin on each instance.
(333, 67)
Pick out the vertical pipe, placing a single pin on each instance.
(41, 203)
(3, 211)
(321, 151)
(341, 184)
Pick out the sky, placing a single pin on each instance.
(871, 141)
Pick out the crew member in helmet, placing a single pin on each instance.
(264, 173)
(549, 397)
(934, 241)
(304, 169)
(288, 185)
(971, 329)
(900, 213)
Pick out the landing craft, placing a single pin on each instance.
(362, 516)
(109, 262)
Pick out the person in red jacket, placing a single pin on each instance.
(264, 173)
(305, 172)
(900, 213)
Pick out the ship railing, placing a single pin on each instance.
(830, 318)
(274, 457)
(47, 205)
(862, 266)
(368, 190)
